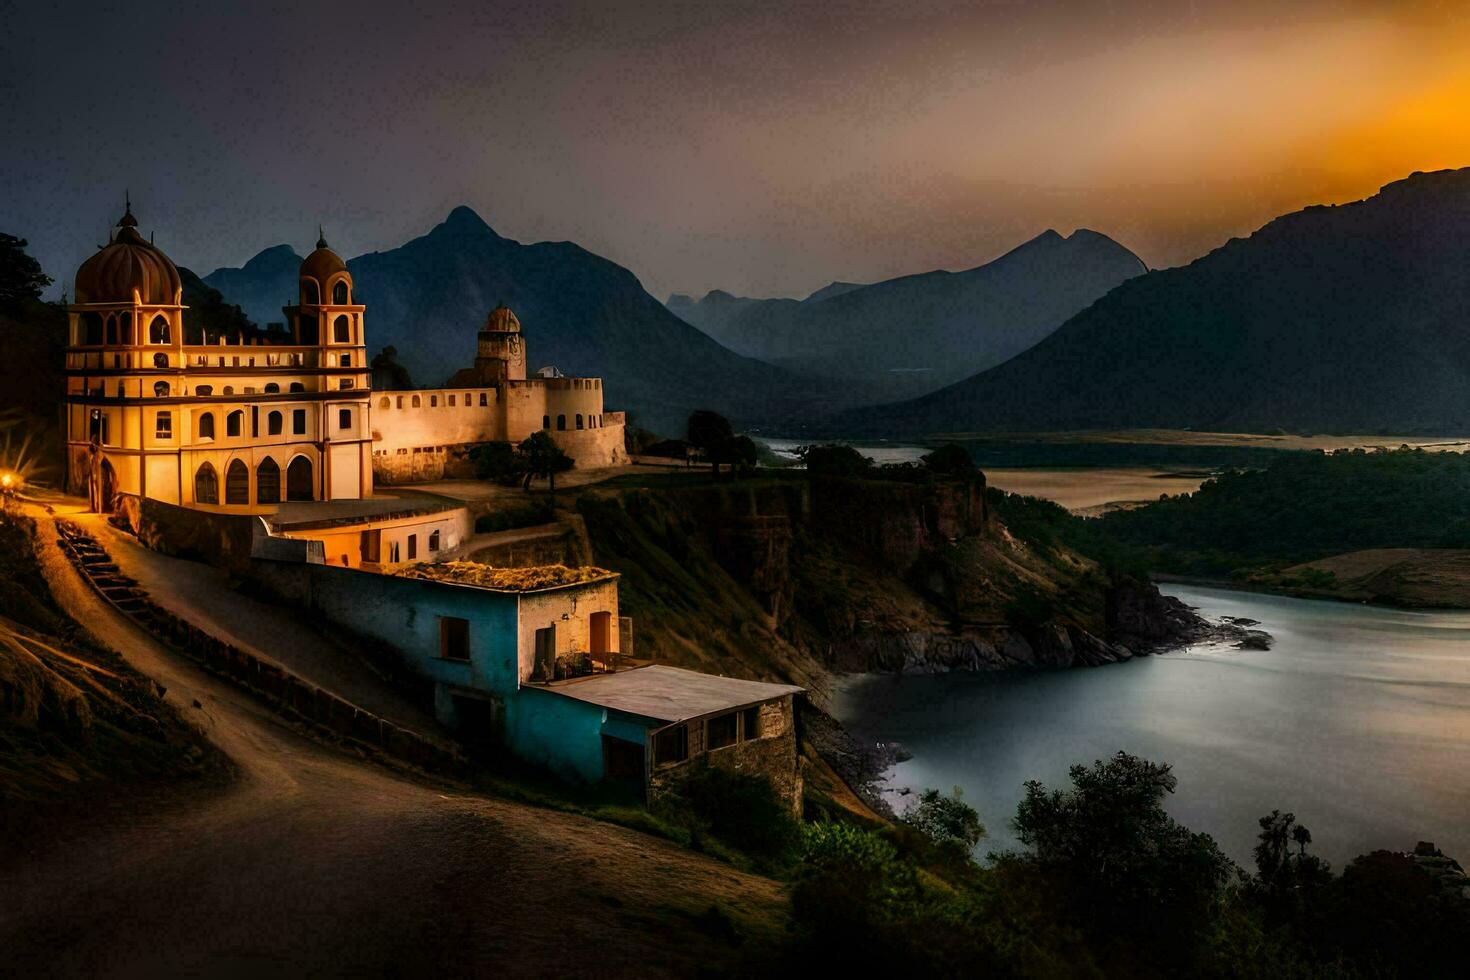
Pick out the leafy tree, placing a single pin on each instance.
(946, 820)
(500, 462)
(740, 453)
(388, 374)
(1288, 879)
(834, 460)
(709, 432)
(544, 458)
(21, 278)
(1121, 863)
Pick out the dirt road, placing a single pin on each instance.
(314, 862)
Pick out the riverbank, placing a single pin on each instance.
(1398, 578)
(1354, 720)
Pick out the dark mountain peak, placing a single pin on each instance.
(834, 288)
(273, 258)
(464, 221)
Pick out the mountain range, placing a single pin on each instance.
(580, 312)
(917, 333)
(1351, 318)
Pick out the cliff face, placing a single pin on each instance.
(795, 580)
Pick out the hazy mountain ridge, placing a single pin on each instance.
(581, 312)
(1348, 318)
(919, 332)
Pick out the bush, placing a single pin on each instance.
(740, 810)
(948, 821)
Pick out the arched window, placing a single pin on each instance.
(158, 330)
(452, 400)
(91, 328)
(271, 387)
(204, 390)
(341, 330)
(433, 401)
(160, 389)
(268, 482)
(125, 328)
(415, 401)
(385, 402)
(297, 386)
(206, 426)
(399, 400)
(561, 423)
(434, 540)
(298, 479)
(339, 292)
(111, 330)
(232, 423)
(310, 294)
(579, 420)
(160, 360)
(237, 483)
(546, 421)
(206, 485)
(467, 400)
(229, 389)
(483, 402)
(273, 423)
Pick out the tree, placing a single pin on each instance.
(946, 820)
(498, 461)
(543, 457)
(709, 432)
(1123, 865)
(21, 278)
(834, 459)
(1287, 883)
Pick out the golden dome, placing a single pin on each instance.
(322, 265)
(502, 320)
(126, 264)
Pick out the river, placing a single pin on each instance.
(1357, 720)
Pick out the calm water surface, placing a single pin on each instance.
(1357, 720)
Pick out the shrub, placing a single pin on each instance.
(739, 809)
(948, 821)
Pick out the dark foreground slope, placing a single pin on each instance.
(916, 333)
(580, 312)
(1348, 318)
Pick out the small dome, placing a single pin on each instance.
(125, 264)
(502, 320)
(323, 264)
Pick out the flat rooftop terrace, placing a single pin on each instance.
(668, 694)
(302, 515)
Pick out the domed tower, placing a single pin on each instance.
(125, 327)
(328, 318)
(501, 355)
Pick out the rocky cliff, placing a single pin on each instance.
(798, 579)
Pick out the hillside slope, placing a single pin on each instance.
(916, 333)
(580, 312)
(1347, 318)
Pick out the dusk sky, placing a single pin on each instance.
(757, 147)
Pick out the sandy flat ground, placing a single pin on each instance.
(1182, 437)
(1089, 490)
(316, 863)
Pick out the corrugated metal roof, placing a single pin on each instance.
(669, 694)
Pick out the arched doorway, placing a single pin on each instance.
(237, 483)
(299, 482)
(268, 482)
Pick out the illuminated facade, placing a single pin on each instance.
(236, 425)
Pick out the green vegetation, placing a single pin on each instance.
(711, 434)
(1300, 508)
(740, 811)
(1109, 885)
